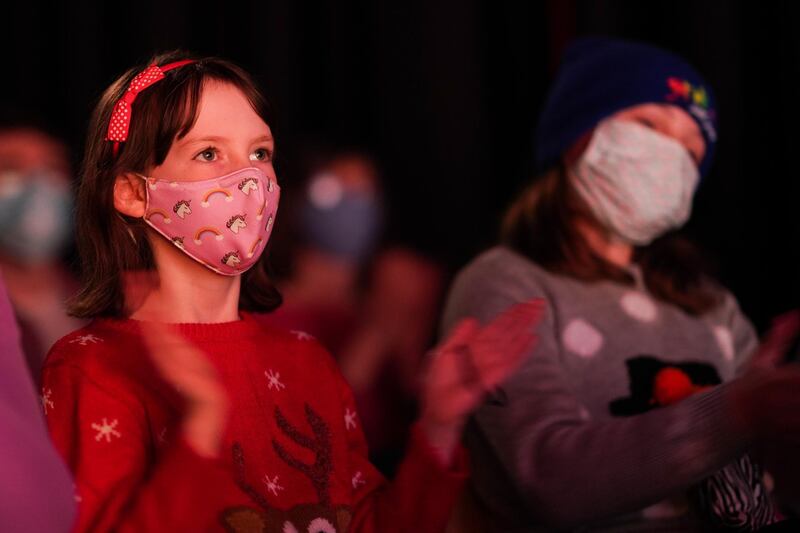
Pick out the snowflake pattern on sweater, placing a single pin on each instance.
(293, 456)
(47, 400)
(106, 430)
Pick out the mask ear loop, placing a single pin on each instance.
(126, 222)
(127, 227)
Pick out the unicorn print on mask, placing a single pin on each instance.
(247, 185)
(200, 232)
(231, 259)
(182, 208)
(236, 223)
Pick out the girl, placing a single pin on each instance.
(618, 418)
(238, 428)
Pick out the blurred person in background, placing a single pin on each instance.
(36, 494)
(35, 226)
(373, 307)
(631, 416)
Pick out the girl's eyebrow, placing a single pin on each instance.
(263, 138)
(209, 139)
(218, 140)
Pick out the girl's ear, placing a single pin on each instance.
(130, 196)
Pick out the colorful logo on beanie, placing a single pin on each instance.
(696, 101)
(684, 90)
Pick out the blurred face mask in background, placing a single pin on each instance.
(342, 222)
(35, 215)
(637, 182)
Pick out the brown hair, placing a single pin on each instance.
(109, 243)
(540, 224)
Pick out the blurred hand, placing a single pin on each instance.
(188, 370)
(782, 333)
(766, 403)
(470, 363)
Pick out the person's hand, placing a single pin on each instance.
(470, 363)
(188, 370)
(783, 332)
(766, 404)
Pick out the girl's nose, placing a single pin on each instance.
(240, 161)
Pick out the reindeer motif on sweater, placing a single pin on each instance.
(318, 517)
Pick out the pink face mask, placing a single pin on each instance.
(222, 223)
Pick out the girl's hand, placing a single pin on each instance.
(469, 364)
(187, 369)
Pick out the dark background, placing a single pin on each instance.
(446, 95)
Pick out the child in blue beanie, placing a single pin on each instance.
(599, 77)
(634, 412)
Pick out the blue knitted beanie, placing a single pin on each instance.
(600, 76)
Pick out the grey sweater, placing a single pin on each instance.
(547, 452)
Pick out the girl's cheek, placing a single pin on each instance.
(266, 167)
(201, 171)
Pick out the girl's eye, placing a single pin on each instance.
(209, 154)
(262, 154)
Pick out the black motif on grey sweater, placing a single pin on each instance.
(648, 378)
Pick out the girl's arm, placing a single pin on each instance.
(35, 490)
(421, 496)
(100, 428)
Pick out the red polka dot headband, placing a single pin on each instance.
(121, 116)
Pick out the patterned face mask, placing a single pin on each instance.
(637, 182)
(222, 223)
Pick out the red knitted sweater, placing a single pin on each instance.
(294, 457)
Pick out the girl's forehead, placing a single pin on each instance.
(225, 111)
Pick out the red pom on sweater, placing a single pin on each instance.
(672, 385)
